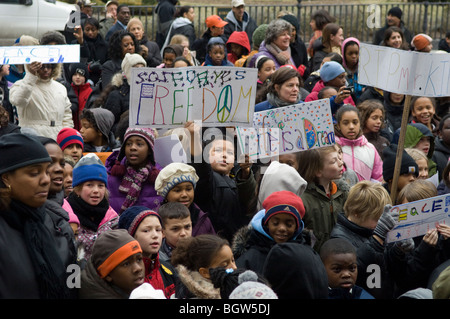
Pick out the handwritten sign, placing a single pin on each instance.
(288, 129)
(416, 218)
(404, 72)
(218, 96)
(41, 53)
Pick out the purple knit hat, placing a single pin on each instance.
(145, 132)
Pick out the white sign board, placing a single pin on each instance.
(416, 218)
(404, 72)
(66, 53)
(216, 96)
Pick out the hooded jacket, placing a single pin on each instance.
(42, 105)
(248, 25)
(352, 76)
(181, 25)
(393, 115)
(240, 38)
(362, 157)
(192, 285)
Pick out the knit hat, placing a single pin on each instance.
(389, 157)
(133, 216)
(396, 12)
(250, 288)
(284, 202)
(172, 175)
(111, 248)
(420, 41)
(215, 21)
(104, 120)
(441, 286)
(145, 132)
(89, 168)
(331, 70)
(146, 291)
(292, 20)
(259, 34)
(129, 61)
(19, 150)
(68, 136)
(80, 68)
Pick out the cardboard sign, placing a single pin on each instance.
(218, 96)
(416, 218)
(404, 72)
(288, 129)
(41, 53)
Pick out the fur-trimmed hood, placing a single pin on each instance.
(56, 73)
(201, 287)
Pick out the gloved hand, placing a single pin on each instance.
(405, 245)
(386, 222)
(94, 67)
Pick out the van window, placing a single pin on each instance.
(12, 1)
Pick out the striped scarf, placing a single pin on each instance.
(132, 184)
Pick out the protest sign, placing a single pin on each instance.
(168, 149)
(288, 129)
(218, 96)
(416, 218)
(404, 72)
(64, 53)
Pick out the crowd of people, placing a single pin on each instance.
(80, 187)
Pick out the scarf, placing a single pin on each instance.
(90, 216)
(275, 101)
(275, 51)
(132, 183)
(49, 268)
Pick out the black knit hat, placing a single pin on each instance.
(292, 20)
(396, 12)
(389, 156)
(19, 150)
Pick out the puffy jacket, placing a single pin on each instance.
(248, 25)
(362, 157)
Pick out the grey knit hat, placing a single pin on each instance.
(250, 288)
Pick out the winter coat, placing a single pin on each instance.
(182, 26)
(314, 95)
(153, 58)
(93, 49)
(192, 285)
(240, 38)
(161, 275)
(201, 224)
(275, 102)
(118, 100)
(83, 92)
(251, 244)
(356, 292)
(443, 45)
(380, 142)
(393, 120)
(109, 69)
(441, 155)
(248, 25)
(17, 278)
(371, 93)
(42, 105)
(264, 51)
(355, 234)
(298, 53)
(362, 157)
(4, 98)
(87, 236)
(148, 196)
(321, 211)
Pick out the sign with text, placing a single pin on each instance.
(65, 53)
(404, 72)
(416, 218)
(218, 96)
(288, 129)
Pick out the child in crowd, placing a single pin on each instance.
(359, 155)
(193, 259)
(115, 269)
(420, 137)
(326, 193)
(441, 152)
(225, 197)
(176, 225)
(89, 201)
(339, 258)
(372, 116)
(421, 161)
(350, 59)
(145, 226)
(314, 77)
(349, 175)
(423, 110)
(393, 108)
(266, 67)
(417, 190)
(71, 143)
(176, 183)
(96, 125)
(216, 53)
(169, 54)
(81, 88)
(181, 62)
(409, 170)
(132, 171)
(238, 46)
(280, 221)
(68, 175)
(422, 43)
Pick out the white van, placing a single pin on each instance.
(31, 17)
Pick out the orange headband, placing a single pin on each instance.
(118, 256)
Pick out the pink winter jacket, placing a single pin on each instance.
(362, 157)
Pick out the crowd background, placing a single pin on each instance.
(80, 187)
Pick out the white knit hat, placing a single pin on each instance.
(250, 288)
(172, 175)
(146, 291)
(129, 61)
